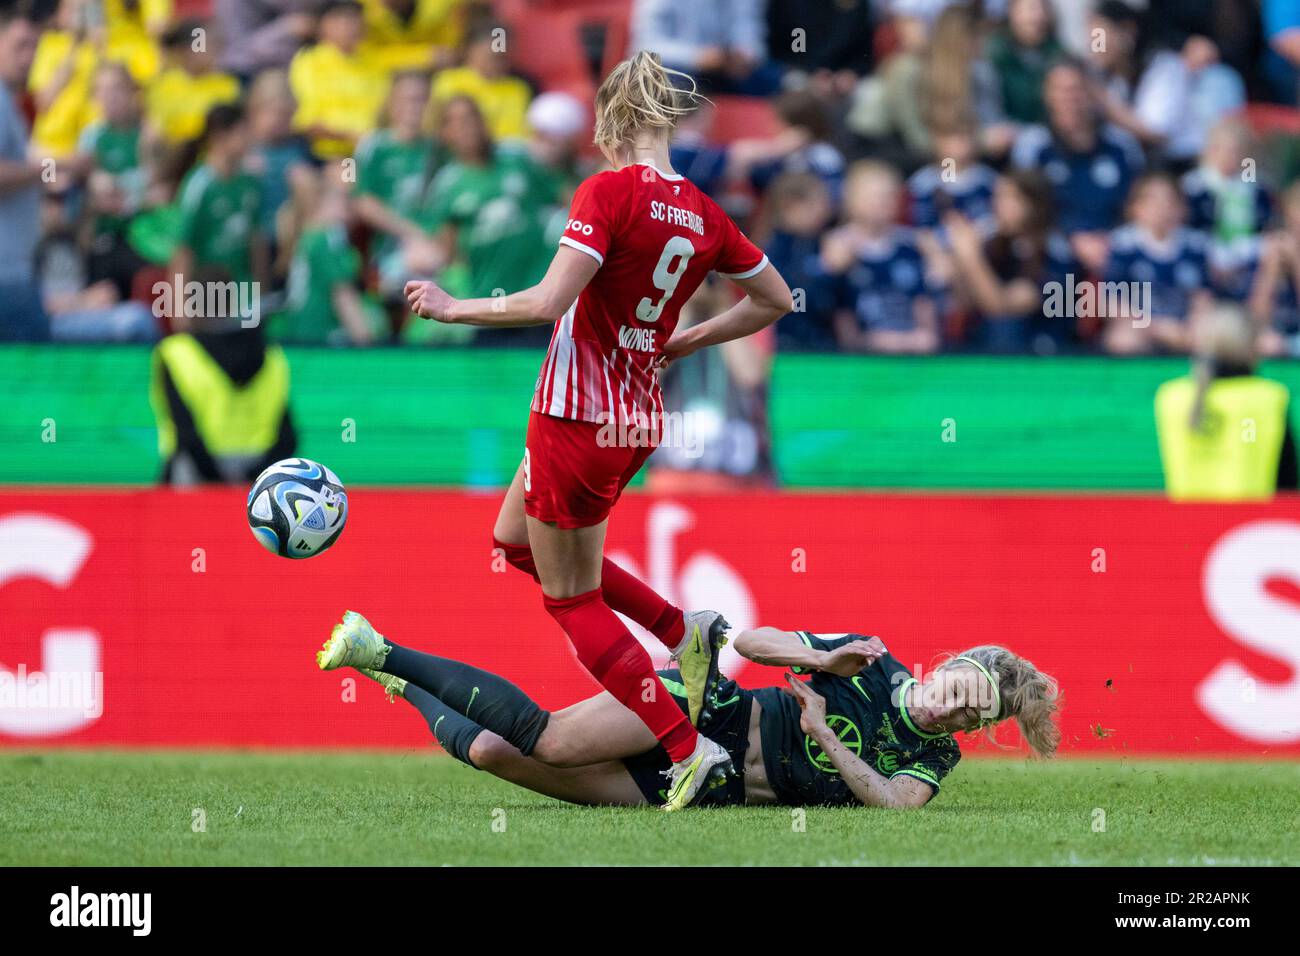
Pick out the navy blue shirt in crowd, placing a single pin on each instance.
(820, 159)
(882, 286)
(1203, 204)
(1176, 268)
(799, 260)
(1033, 331)
(1090, 188)
(1238, 265)
(970, 193)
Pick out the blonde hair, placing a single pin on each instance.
(1023, 692)
(639, 95)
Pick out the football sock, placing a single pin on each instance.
(624, 592)
(622, 666)
(453, 731)
(488, 700)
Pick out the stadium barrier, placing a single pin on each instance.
(153, 618)
(456, 418)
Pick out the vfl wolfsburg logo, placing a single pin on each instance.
(849, 735)
(887, 762)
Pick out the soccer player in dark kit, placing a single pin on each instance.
(862, 730)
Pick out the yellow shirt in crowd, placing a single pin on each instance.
(178, 101)
(504, 100)
(342, 92)
(397, 44)
(58, 127)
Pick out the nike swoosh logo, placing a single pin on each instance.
(471, 701)
(441, 718)
(857, 682)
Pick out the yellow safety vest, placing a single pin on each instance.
(1234, 455)
(231, 419)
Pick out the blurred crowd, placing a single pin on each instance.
(1009, 176)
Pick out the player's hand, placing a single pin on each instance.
(812, 705)
(848, 659)
(428, 301)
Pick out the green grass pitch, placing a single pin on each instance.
(422, 808)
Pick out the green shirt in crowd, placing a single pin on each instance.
(116, 150)
(499, 211)
(322, 260)
(396, 173)
(219, 219)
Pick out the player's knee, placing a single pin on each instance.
(557, 748)
(490, 752)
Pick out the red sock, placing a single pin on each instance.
(622, 666)
(624, 592)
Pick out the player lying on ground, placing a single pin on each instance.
(863, 730)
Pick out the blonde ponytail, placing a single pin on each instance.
(1225, 337)
(1023, 692)
(639, 95)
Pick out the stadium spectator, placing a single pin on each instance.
(959, 87)
(263, 34)
(954, 181)
(1091, 165)
(560, 125)
(1224, 197)
(108, 160)
(1005, 276)
(277, 154)
(1282, 65)
(486, 208)
(324, 305)
(800, 208)
(178, 99)
(339, 91)
(1224, 432)
(485, 78)
(885, 111)
(220, 397)
(1021, 53)
(1167, 99)
(834, 47)
(394, 167)
(803, 146)
(413, 34)
(1163, 265)
(221, 207)
(64, 69)
(885, 302)
(22, 317)
(1271, 281)
(722, 44)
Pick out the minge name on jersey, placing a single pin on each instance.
(676, 216)
(638, 340)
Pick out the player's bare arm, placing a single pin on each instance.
(777, 648)
(767, 298)
(541, 304)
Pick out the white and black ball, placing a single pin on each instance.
(297, 508)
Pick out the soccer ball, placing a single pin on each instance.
(296, 508)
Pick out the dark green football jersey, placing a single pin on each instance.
(866, 712)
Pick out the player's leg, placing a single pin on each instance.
(569, 565)
(624, 592)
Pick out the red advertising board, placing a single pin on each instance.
(1173, 629)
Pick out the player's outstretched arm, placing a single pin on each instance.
(777, 648)
(767, 298)
(872, 788)
(541, 304)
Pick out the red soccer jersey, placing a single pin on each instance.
(656, 237)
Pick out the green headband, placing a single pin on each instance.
(997, 695)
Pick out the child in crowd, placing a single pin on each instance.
(220, 206)
(324, 305)
(485, 77)
(1224, 197)
(278, 156)
(1160, 267)
(885, 301)
(800, 207)
(394, 167)
(1271, 280)
(954, 182)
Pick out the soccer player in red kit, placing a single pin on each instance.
(639, 240)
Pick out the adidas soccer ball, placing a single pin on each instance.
(296, 508)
